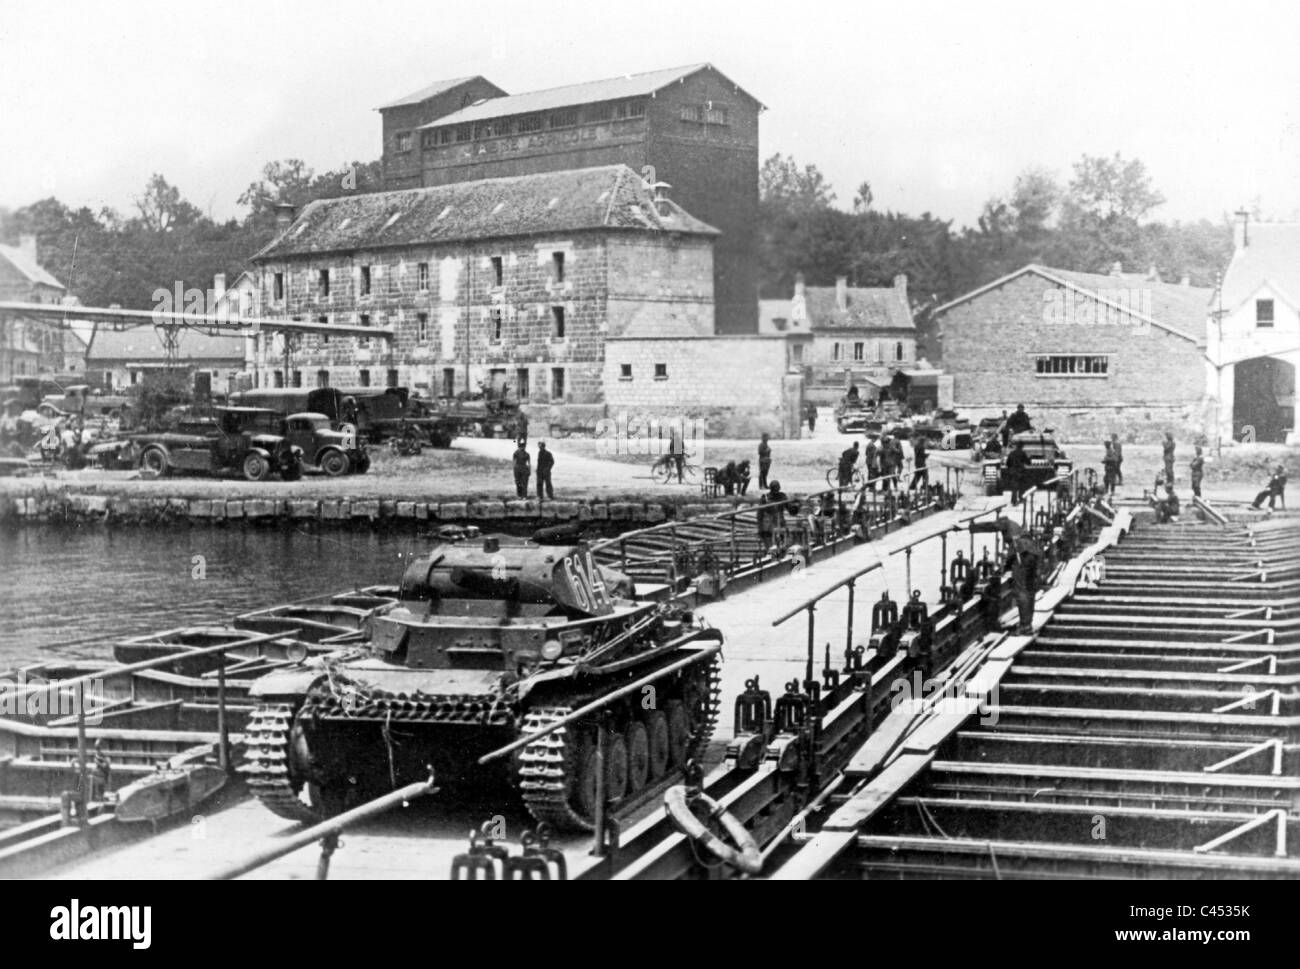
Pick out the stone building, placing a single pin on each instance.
(117, 359)
(1085, 353)
(514, 280)
(690, 127)
(859, 335)
(1254, 346)
(28, 347)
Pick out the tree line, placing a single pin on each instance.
(1099, 216)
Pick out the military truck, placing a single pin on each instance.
(377, 413)
(491, 643)
(247, 440)
(334, 452)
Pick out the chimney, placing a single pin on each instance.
(798, 286)
(661, 203)
(284, 212)
(900, 287)
(1117, 268)
(1240, 237)
(1185, 281)
(27, 246)
(1153, 275)
(842, 293)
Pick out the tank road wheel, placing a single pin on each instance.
(335, 464)
(255, 467)
(615, 774)
(279, 769)
(656, 728)
(154, 461)
(325, 796)
(679, 733)
(638, 756)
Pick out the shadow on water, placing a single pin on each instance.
(73, 591)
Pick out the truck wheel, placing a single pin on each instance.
(335, 463)
(154, 460)
(255, 468)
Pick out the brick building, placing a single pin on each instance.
(694, 127)
(1255, 346)
(1085, 353)
(859, 334)
(28, 347)
(517, 280)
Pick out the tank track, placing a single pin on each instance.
(266, 761)
(544, 765)
(451, 708)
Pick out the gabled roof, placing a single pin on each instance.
(23, 262)
(612, 89)
(1181, 310)
(610, 197)
(1272, 255)
(143, 344)
(867, 306)
(432, 91)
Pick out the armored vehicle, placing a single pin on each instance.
(1046, 460)
(490, 643)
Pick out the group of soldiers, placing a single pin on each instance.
(884, 462)
(523, 468)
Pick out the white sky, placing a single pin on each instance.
(938, 105)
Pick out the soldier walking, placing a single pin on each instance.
(545, 461)
(922, 473)
(523, 466)
(764, 461)
(1198, 471)
(848, 460)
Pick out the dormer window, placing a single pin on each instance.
(1263, 312)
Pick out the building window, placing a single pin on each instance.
(557, 383)
(422, 277)
(323, 282)
(364, 378)
(635, 109)
(596, 113)
(448, 382)
(322, 378)
(880, 351)
(403, 141)
(297, 378)
(277, 378)
(495, 324)
(324, 321)
(624, 371)
(1263, 312)
(421, 327)
(692, 112)
(365, 281)
(278, 291)
(796, 353)
(859, 351)
(835, 351)
(392, 378)
(464, 132)
(715, 114)
(530, 123)
(566, 118)
(523, 388)
(661, 371)
(1070, 365)
(498, 271)
(557, 266)
(557, 318)
(365, 321)
(898, 351)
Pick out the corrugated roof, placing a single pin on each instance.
(868, 306)
(1272, 255)
(612, 89)
(433, 90)
(144, 344)
(28, 266)
(610, 197)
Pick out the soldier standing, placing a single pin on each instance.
(545, 461)
(764, 461)
(1110, 464)
(1168, 449)
(521, 429)
(1018, 464)
(1119, 458)
(922, 473)
(1198, 471)
(523, 465)
(847, 462)
(872, 463)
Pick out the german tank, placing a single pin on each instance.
(490, 642)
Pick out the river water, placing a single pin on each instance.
(73, 591)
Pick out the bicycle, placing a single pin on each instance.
(664, 470)
(857, 481)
